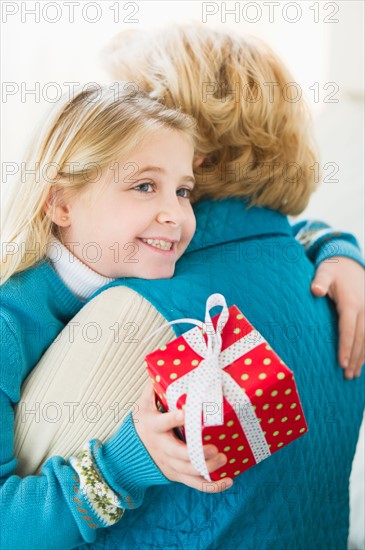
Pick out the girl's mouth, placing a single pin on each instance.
(159, 244)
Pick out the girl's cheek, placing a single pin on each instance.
(192, 225)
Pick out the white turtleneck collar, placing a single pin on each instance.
(78, 277)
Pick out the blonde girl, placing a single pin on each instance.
(110, 197)
(74, 189)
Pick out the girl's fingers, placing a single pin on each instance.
(160, 422)
(321, 282)
(357, 354)
(216, 486)
(165, 422)
(182, 466)
(347, 327)
(147, 399)
(201, 484)
(177, 456)
(360, 362)
(210, 451)
(176, 449)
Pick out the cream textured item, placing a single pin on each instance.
(89, 378)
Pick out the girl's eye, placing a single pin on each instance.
(144, 188)
(184, 192)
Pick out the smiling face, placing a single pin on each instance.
(138, 221)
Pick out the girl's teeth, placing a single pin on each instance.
(164, 245)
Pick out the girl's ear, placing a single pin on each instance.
(57, 209)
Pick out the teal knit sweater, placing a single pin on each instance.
(41, 511)
(299, 497)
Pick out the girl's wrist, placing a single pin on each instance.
(126, 464)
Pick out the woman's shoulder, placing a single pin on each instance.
(233, 219)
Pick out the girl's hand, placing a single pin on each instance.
(343, 280)
(170, 453)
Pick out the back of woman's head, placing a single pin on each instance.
(254, 130)
(83, 136)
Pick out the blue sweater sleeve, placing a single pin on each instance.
(322, 242)
(49, 510)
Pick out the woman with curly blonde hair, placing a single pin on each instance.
(254, 127)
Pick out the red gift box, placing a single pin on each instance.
(259, 411)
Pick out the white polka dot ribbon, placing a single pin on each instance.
(206, 385)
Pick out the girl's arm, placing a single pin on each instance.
(49, 510)
(321, 242)
(94, 383)
(340, 274)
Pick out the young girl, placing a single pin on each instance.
(110, 198)
(83, 222)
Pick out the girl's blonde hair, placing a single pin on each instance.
(82, 135)
(254, 130)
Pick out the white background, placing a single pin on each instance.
(324, 45)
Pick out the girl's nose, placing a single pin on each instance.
(171, 212)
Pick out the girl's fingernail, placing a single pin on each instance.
(346, 363)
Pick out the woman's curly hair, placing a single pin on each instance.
(254, 128)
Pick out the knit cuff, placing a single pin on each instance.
(126, 464)
(338, 247)
(103, 501)
(321, 242)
